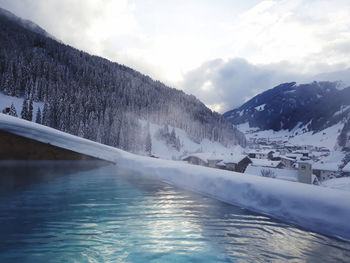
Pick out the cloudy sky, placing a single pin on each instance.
(224, 52)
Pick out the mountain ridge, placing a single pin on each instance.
(317, 106)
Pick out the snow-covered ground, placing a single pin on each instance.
(283, 174)
(326, 138)
(320, 209)
(5, 101)
(342, 183)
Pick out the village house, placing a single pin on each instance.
(233, 162)
(204, 159)
(324, 171)
(213, 161)
(267, 163)
(304, 153)
(237, 163)
(260, 154)
(276, 156)
(287, 162)
(197, 159)
(297, 156)
(290, 147)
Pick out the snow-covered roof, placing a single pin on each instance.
(301, 151)
(276, 154)
(236, 158)
(259, 151)
(205, 157)
(284, 174)
(287, 158)
(326, 166)
(265, 163)
(289, 145)
(294, 155)
(347, 168)
(221, 158)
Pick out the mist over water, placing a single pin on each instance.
(103, 215)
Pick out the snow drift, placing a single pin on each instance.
(315, 208)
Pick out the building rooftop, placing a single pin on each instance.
(326, 166)
(265, 163)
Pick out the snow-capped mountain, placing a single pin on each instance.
(94, 98)
(310, 107)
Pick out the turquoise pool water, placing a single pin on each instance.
(105, 215)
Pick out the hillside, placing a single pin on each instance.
(94, 98)
(313, 107)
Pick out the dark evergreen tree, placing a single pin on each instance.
(38, 116)
(24, 112)
(46, 115)
(30, 110)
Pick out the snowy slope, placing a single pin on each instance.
(326, 138)
(5, 101)
(316, 208)
(161, 149)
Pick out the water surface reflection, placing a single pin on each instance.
(104, 215)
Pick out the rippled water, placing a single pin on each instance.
(104, 215)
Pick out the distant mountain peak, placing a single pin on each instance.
(317, 105)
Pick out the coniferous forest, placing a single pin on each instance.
(94, 98)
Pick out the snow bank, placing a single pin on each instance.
(316, 208)
(342, 183)
(45, 134)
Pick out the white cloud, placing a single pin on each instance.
(294, 31)
(224, 85)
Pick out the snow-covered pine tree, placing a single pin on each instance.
(178, 144)
(148, 142)
(13, 111)
(173, 137)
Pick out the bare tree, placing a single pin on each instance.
(267, 173)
